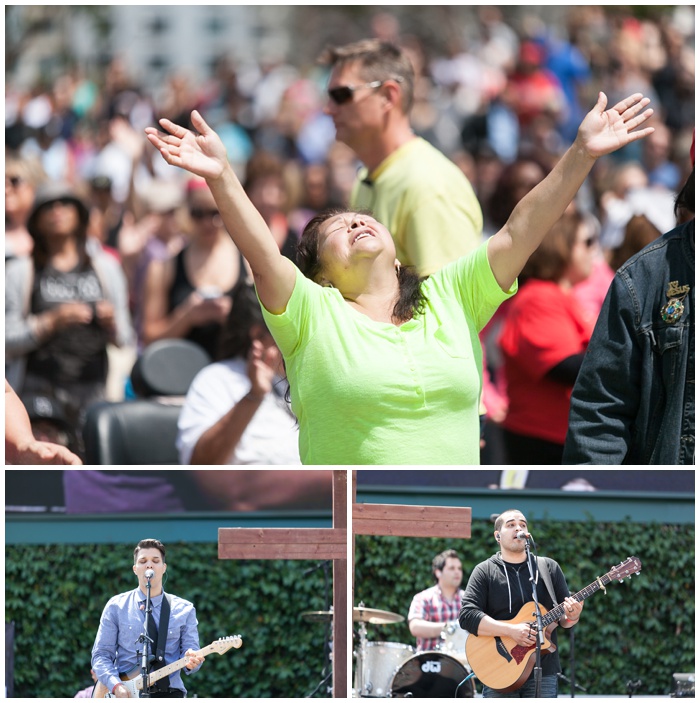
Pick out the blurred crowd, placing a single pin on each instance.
(80, 178)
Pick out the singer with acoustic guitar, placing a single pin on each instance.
(115, 659)
(494, 608)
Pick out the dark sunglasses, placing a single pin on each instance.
(198, 213)
(343, 93)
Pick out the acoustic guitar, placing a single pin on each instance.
(133, 680)
(503, 664)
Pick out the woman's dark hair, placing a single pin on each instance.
(638, 233)
(511, 187)
(235, 340)
(549, 261)
(685, 200)
(48, 194)
(411, 299)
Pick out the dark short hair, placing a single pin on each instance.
(235, 339)
(499, 520)
(440, 560)
(149, 544)
(378, 61)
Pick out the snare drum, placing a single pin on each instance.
(454, 641)
(432, 675)
(381, 660)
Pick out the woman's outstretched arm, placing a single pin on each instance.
(204, 155)
(601, 132)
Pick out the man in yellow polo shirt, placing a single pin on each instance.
(422, 197)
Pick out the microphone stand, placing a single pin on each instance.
(572, 661)
(572, 683)
(538, 620)
(146, 642)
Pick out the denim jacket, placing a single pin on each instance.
(634, 399)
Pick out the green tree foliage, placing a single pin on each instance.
(55, 595)
(642, 628)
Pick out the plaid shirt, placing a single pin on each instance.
(430, 605)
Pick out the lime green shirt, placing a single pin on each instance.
(368, 392)
(427, 204)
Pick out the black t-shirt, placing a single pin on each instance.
(79, 352)
(207, 335)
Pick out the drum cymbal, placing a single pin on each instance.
(318, 615)
(374, 616)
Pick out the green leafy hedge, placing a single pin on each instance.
(641, 629)
(55, 595)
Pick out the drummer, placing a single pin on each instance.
(432, 609)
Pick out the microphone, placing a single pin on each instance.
(523, 535)
(149, 573)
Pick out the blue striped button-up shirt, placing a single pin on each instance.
(121, 624)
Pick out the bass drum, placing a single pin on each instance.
(381, 660)
(432, 675)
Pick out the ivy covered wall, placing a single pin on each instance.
(641, 629)
(55, 595)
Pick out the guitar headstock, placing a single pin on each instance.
(629, 567)
(223, 644)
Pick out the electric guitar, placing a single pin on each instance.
(503, 664)
(133, 680)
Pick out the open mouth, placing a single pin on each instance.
(362, 235)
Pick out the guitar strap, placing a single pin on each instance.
(547, 578)
(160, 639)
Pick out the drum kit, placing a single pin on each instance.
(396, 670)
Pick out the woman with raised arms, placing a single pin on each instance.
(385, 368)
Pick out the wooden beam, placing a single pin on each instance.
(307, 543)
(340, 586)
(411, 520)
(282, 543)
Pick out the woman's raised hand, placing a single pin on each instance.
(203, 154)
(603, 131)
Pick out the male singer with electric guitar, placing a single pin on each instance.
(498, 589)
(114, 655)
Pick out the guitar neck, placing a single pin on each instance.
(555, 613)
(170, 668)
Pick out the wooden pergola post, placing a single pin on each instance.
(306, 543)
